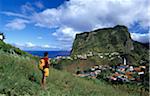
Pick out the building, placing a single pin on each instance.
(2, 37)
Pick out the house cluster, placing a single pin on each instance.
(64, 57)
(118, 74)
(127, 73)
(99, 54)
(93, 72)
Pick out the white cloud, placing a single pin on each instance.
(29, 44)
(17, 24)
(46, 46)
(32, 46)
(81, 14)
(14, 14)
(84, 15)
(18, 44)
(49, 18)
(144, 38)
(65, 34)
(27, 9)
(39, 5)
(77, 16)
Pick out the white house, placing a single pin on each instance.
(2, 36)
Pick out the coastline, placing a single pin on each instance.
(52, 54)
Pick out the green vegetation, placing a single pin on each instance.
(7, 48)
(73, 65)
(103, 40)
(17, 67)
(109, 40)
(16, 70)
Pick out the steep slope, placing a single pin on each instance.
(7, 48)
(104, 40)
(109, 40)
(15, 71)
(14, 81)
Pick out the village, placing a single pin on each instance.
(117, 73)
(101, 55)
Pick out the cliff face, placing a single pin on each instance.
(103, 40)
(109, 40)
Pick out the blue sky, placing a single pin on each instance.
(52, 24)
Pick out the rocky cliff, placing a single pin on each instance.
(109, 40)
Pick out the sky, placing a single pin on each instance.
(53, 24)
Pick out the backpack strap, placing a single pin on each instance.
(41, 64)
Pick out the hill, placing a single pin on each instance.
(7, 48)
(15, 71)
(109, 41)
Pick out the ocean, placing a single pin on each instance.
(52, 54)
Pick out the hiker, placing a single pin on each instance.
(44, 67)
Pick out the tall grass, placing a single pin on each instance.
(15, 71)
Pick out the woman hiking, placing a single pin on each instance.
(44, 67)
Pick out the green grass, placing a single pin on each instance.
(15, 71)
(7, 48)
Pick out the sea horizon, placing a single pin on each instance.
(52, 54)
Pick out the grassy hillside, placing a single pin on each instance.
(7, 48)
(14, 81)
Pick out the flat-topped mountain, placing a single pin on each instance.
(109, 40)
